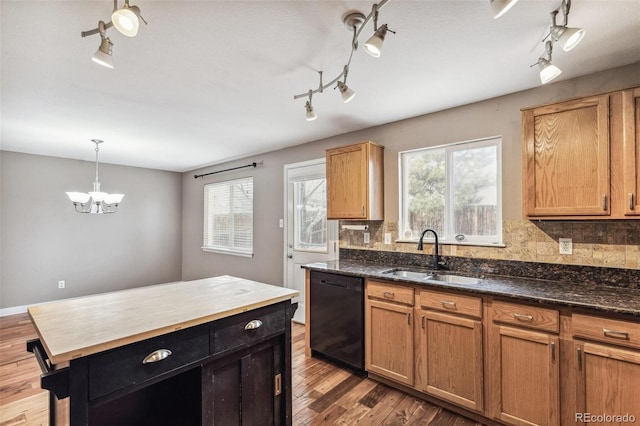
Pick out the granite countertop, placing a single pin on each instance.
(601, 297)
(81, 326)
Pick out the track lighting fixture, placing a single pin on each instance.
(548, 71)
(126, 20)
(355, 22)
(101, 202)
(103, 54)
(500, 7)
(566, 36)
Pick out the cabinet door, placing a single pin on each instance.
(608, 383)
(347, 182)
(451, 349)
(244, 389)
(566, 158)
(524, 375)
(631, 147)
(389, 341)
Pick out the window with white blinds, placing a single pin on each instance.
(228, 217)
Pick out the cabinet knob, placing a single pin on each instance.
(156, 356)
(253, 324)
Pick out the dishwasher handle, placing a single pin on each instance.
(333, 284)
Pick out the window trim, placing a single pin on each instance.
(498, 240)
(235, 251)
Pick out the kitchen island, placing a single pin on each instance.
(203, 352)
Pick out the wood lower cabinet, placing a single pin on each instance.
(355, 182)
(608, 369)
(450, 358)
(524, 367)
(389, 343)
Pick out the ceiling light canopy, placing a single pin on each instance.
(500, 7)
(96, 201)
(126, 20)
(355, 22)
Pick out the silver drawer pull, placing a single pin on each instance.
(521, 317)
(447, 304)
(616, 334)
(156, 356)
(253, 324)
(389, 294)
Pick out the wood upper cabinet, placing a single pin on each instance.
(449, 364)
(355, 182)
(388, 324)
(524, 366)
(608, 367)
(631, 149)
(566, 158)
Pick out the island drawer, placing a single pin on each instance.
(608, 330)
(247, 328)
(527, 316)
(144, 360)
(453, 303)
(390, 292)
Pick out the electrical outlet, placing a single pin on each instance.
(566, 245)
(61, 284)
(387, 238)
(366, 238)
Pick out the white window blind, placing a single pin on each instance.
(228, 217)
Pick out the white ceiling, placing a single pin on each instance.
(210, 81)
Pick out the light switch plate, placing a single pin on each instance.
(387, 238)
(366, 238)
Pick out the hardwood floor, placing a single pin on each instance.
(323, 394)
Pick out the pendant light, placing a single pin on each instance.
(96, 201)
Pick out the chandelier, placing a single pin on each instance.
(96, 201)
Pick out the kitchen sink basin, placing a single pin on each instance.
(455, 279)
(402, 273)
(446, 278)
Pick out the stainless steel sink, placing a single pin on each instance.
(455, 279)
(403, 273)
(424, 275)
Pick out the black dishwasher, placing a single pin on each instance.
(337, 317)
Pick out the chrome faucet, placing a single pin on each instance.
(436, 261)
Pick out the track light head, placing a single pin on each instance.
(566, 36)
(311, 114)
(548, 71)
(346, 92)
(103, 54)
(127, 19)
(373, 46)
(500, 7)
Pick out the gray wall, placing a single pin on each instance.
(44, 240)
(498, 116)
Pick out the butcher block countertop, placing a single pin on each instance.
(82, 326)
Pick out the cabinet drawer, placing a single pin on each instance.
(613, 331)
(454, 303)
(236, 331)
(526, 316)
(122, 367)
(390, 292)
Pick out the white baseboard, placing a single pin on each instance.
(13, 310)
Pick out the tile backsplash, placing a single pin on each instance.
(614, 244)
